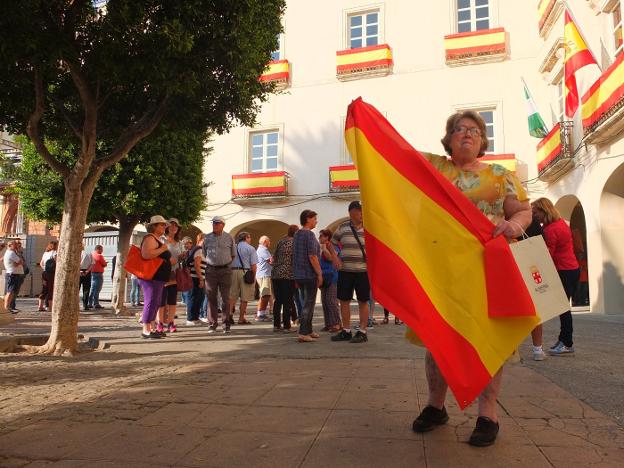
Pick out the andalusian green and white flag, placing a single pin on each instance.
(537, 127)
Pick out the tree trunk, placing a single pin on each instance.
(126, 227)
(65, 304)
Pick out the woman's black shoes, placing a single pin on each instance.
(152, 336)
(429, 418)
(485, 432)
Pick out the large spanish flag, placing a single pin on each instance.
(432, 259)
(577, 55)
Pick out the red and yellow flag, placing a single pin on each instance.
(577, 55)
(432, 259)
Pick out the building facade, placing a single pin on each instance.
(418, 62)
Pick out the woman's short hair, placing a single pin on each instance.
(326, 233)
(292, 229)
(242, 236)
(452, 122)
(305, 215)
(150, 228)
(551, 214)
(52, 245)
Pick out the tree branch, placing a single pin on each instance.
(77, 131)
(33, 128)
(135, 133)
(89, 127)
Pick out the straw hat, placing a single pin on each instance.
(157, 219)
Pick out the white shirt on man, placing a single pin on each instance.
(10, 263)
(86, 260)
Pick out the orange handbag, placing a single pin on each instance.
(138, 266)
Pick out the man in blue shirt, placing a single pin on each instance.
(245, 259)
(263, 277)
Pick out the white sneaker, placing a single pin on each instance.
(538, 355)
(204, 319)
(562, 350)
(191, 323)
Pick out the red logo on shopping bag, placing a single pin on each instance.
(537, 277)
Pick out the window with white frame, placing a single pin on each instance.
(264, 150)
(488, 116)
(364, 29)
(473, 15)
(278, 54)
(618, 44)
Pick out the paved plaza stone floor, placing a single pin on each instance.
(256, 399)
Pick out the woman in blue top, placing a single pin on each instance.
(329, 299)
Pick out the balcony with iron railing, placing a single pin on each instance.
(554, 153)
(343, 179)
(364, 62)
(265, 186)
(602, 106)
(278, 73)
(469, 48)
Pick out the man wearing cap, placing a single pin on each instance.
(352, 275)
(219, 251)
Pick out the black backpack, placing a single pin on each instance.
(188, 263)
(50, 266)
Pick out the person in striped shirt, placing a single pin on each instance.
(352, 275)
(197, 265)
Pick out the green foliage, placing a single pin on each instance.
(161, 175)
(204, 56)
(41, 191)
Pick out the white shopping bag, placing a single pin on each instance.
(541, 277)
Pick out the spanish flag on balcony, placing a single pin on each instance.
(432, 259)
(343, 178)
(352, 60)
(605, 94)
(549, 148)
(259, 184)
(277, 70)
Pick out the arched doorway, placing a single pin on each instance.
(333, 226)
(262, 227)
(611, 235)
(572, 210)
(101, 228)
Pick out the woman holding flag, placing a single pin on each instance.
(497, 193)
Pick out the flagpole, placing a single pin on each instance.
(578, 28)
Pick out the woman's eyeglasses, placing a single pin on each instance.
(474, 131)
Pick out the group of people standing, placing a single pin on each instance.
(225, 272)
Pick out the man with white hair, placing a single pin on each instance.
(263, 278)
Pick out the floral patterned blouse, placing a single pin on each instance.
(283, 259)
(487, 189)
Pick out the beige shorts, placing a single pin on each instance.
(239, 289)
(265, 285)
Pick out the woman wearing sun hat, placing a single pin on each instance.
(167, 310)
(152, 247)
